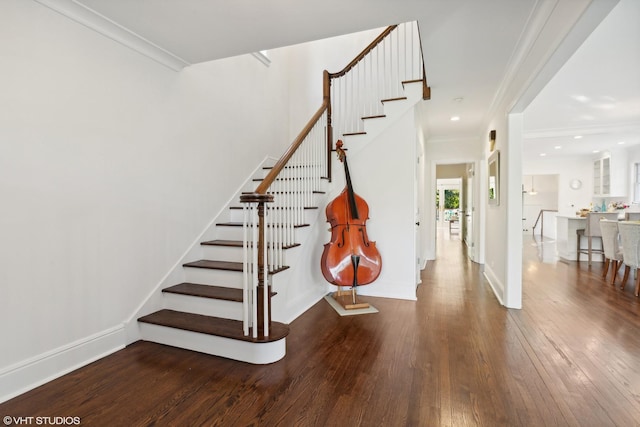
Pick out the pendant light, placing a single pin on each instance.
(532, 192)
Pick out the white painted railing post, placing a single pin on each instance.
(256, 292)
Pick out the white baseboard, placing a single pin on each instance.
(496, 285)
(301, 307)
(389, 289)
(31, 373)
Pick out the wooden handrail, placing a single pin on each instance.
(541, 220)
(426, 90)
(277, 168)
(364, 53)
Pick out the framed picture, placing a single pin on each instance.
(494, 178)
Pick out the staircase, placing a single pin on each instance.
(223, 307)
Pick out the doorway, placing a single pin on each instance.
(455, 205)
(539, 196)
(448, 205)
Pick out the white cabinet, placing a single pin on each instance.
(609, 173)
(602, 177)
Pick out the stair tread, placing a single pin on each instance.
(277, 208)
(285, 192)
(206, 291)
(238, 243)
(221, 242)
(225, 265)
(215, 265)
(306, 178)
(226, 328)
(400, 98)
(239, 224)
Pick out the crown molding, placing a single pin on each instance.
(555, 29)
(600, 129)
(93, 20)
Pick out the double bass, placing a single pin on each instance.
(350, 258)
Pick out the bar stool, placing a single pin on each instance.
(611, 248)
(630, 237)
(632, 216)
(591, 230)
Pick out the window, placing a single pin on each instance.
(451, 204)
(636, 182)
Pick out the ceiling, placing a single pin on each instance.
(469, 48)
(595, 96)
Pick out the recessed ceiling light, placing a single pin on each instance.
(581, 98)
(455, 118)
(621, 142)
(557, 147)
(543, 154)
(577, 137)
(596, 151)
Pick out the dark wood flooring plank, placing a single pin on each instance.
(455, 357)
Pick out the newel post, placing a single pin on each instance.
(261, 305)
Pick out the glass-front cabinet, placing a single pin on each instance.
(602, 177)
(609, 181)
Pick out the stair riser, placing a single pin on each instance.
(204, 306)
(235, 233)
(225, 253)
(308, 216)
(262, 353)
(222, 253)
(225, 278)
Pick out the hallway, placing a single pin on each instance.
(455, 357)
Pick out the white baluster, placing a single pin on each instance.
(265, 274)
(254, 273)
(245, 269)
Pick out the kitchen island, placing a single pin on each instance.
(567, 238)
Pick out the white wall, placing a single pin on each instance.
(311, 59)
(496, 219)
(387, 183)
(110, 166)
(580, 167)
(388, 186)
(546, 187)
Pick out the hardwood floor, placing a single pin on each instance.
(570, 357)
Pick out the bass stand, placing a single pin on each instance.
(342, 297)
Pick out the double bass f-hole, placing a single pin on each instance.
(350, 258)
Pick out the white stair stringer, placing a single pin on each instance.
(393, 110)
